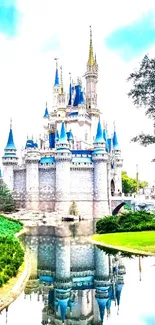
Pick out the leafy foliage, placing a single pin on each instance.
(143, 94)
(7, 203)
(129, 185)
(130, 221)
(11, 253)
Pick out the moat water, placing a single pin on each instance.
(74, 282)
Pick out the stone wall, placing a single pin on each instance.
(20, 181)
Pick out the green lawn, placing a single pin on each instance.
(138, 241)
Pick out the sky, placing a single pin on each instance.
(34, 32)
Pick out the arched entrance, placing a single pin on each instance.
(112, 187)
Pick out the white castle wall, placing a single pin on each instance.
(20, 181)
(47, 183)
(82, 190)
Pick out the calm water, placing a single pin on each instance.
(73, 282)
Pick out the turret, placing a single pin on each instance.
(63, 158)
(56, 88)
(91, 77)
(32, 158)
(118, 163)
(100, 157)
(9, 160)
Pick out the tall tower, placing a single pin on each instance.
(9, 160)
(63, 158)
(56, 88)
(118, 163)
(61, 98)
(32, 178)
(100, 157)
(91, 77)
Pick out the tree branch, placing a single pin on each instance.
(144, 139)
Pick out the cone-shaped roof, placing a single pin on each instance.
(10, 144)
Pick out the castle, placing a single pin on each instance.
(75, 160)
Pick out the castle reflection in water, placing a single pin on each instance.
(77, 281)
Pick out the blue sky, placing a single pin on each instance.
(133, 39)
(9, 17)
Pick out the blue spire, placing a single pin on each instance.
(102, 306)
(82, 101)
(57, 136)
(46, 114)
(115, 141)
(0, 174)
(119, 287)
(10, 144)
(63, 134)
(70, 92)
(56, 81)
(105, 139)
(77, 95)
(99, 134)
(63, 303)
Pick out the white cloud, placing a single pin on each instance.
(27, 72)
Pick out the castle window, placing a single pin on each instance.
(86, 136)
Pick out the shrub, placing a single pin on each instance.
(11, 253)
(130, 221)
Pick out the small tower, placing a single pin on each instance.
(63, 158)
(32, 158)
(9, 160)
(56, 88)
(100, 157)
(91, 77)
(61, 99)
(118, 163)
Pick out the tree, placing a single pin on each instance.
(143, 95)
(129, 185)
(7, 203)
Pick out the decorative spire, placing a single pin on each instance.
(61, 82)
(91, 60)
(70, 91)
(56, 81)
(10, 144)
(99, 134)
(63, 134)
(115, 140)
(46, 114)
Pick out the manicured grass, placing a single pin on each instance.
(138, 241)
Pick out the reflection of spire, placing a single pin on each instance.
(91, 60)
(140, 269)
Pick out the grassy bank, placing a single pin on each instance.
(11, 253)
(138, 241)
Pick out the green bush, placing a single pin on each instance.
(125, 222)
(11, 253)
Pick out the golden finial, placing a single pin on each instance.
(114, 126)
(56, 59)
(11, 123)
(91, 60)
